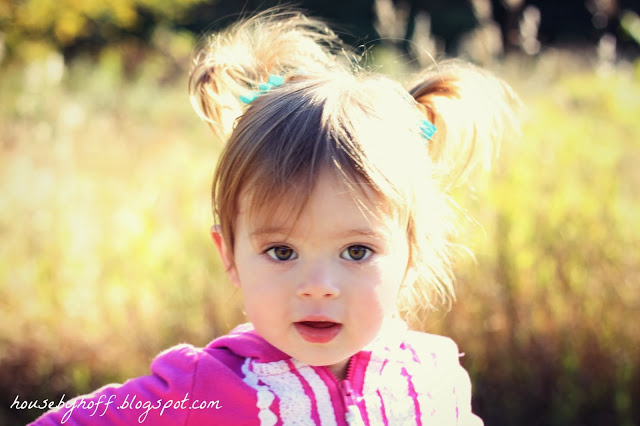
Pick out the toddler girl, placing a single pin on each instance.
(331, 200)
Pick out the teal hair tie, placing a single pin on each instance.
(427, 129)
(274, 81)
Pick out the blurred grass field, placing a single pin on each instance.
(106, 260)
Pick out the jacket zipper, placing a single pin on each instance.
(352, 412)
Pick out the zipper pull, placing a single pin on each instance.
(352, 414)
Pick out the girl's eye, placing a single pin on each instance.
(282, 253)
(356, 253)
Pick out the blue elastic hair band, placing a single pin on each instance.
(427, 129)
(274, 81)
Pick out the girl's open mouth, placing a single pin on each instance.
(318, 331)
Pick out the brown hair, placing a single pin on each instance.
(363, 127)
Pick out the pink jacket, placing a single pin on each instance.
(240, 379)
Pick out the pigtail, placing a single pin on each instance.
(233, 63)
(473, 112)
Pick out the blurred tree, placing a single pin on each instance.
(352, 19)
(72, 25)
(450, 19)
(569, 22)
(75, 26)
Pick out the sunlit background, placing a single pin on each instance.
(105, 258)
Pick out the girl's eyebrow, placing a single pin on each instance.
(354, 232)
(268, 231)
(362, 232)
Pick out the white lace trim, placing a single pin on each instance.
(270, 368)
(372, 383)
(295, 405)
(323, 399)
(264, 396)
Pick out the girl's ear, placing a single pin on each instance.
(225, 254)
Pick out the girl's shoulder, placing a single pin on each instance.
(426, 368)
(420, 347)
(187, 385)
(432, 346)
(165, 396)
(427, 352)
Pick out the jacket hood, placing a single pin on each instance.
(245, 342)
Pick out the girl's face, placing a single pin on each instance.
(318, 288)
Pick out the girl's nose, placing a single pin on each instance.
(318, 282)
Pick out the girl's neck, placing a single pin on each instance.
(339, 370)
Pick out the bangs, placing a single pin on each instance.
(306, 145)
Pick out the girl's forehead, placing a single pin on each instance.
(331, 201)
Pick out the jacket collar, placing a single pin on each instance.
(244, 341)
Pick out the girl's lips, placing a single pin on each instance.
(318, 331)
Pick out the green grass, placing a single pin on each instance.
(106, 260)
